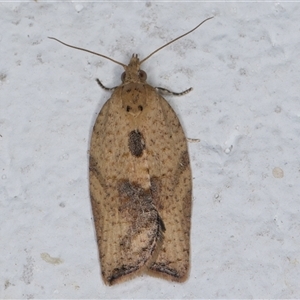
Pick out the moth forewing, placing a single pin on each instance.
(140, 186)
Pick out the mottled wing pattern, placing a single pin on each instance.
(140, 183)
(174, 199)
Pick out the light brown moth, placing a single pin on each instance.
(140, 180)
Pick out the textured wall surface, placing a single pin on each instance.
(245, 109)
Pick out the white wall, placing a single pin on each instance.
(245, 109)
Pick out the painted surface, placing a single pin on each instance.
(245, 109)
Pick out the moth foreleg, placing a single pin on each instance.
(104, 87)
(163, 91)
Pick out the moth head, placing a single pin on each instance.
(133, 73)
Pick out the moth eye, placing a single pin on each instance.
(128, 108)
(123, 76)
(140, 107)
(142, 75)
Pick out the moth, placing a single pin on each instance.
(140, 180)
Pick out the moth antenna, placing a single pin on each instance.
(174, 40)
(89, 51)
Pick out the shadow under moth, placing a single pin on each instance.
(140, 180)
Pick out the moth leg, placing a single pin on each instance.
(104, 87)
(163, 91)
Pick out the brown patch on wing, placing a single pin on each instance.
(136, 143)
(155, 187)
(145, 231)
(165, 269)
(184, 161)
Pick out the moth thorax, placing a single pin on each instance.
(134, 98)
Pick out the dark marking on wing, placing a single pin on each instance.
(184, 161)
(136, 143)
(163, 268)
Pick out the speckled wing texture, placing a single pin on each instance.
(140, 183)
